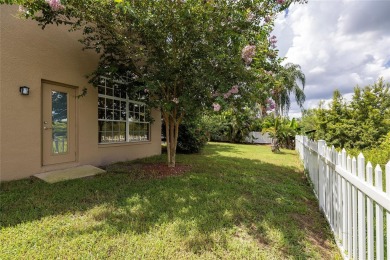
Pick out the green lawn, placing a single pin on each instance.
(236, 202)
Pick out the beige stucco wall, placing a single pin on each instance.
(29, 55)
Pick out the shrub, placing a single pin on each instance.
(381, 154)
(378, 155)
(192, 137)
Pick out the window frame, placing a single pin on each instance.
(130, 117)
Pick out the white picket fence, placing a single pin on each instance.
(258, 138)
(352, 196)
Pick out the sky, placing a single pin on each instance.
(339, 44)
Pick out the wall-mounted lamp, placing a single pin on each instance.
(24, 90)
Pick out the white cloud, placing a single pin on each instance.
(339, 44)
(317, 70)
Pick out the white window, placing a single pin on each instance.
(119, 118)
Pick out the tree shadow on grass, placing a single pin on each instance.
(253, 199)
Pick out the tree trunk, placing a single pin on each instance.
(173, 143)
(172, 133)
(276, 109)
(167, 135)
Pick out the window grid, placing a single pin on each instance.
(119, 118)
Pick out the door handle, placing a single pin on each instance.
(47, 128)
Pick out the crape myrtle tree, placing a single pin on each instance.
(180, 56)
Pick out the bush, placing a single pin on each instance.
(378, 155)
(230, 125)
(192, 138)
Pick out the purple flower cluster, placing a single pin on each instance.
(233, 90)
(216, 106)
(280, 1)
(248, 53)
(55, 5)
(270, 104)
(227, 95)
(273, 41)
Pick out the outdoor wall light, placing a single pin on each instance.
(24, 90)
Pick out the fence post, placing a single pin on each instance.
(361, 210)
(379, 217)
(329, 187)
(370, 216)
(344, 198)
(307, 155)
(333, 188)
(349, 198)
(321, 174)
(354, 213)
(339, 198)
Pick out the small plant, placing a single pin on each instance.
(282, 131)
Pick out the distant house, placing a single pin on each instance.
(49, 128)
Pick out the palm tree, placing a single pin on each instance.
(287, 83)
(271, 126)
(282, 132)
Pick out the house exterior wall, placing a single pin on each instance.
(29, 55)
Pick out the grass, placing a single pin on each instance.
(237, 202)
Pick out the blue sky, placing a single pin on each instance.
(338, 43)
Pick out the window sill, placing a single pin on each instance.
(123, 144)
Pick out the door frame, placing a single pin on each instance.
(76, 120)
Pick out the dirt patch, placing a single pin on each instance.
(161, 170)
(315, 230)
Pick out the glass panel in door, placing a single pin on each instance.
(59, 122)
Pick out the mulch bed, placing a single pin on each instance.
(148, 170)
